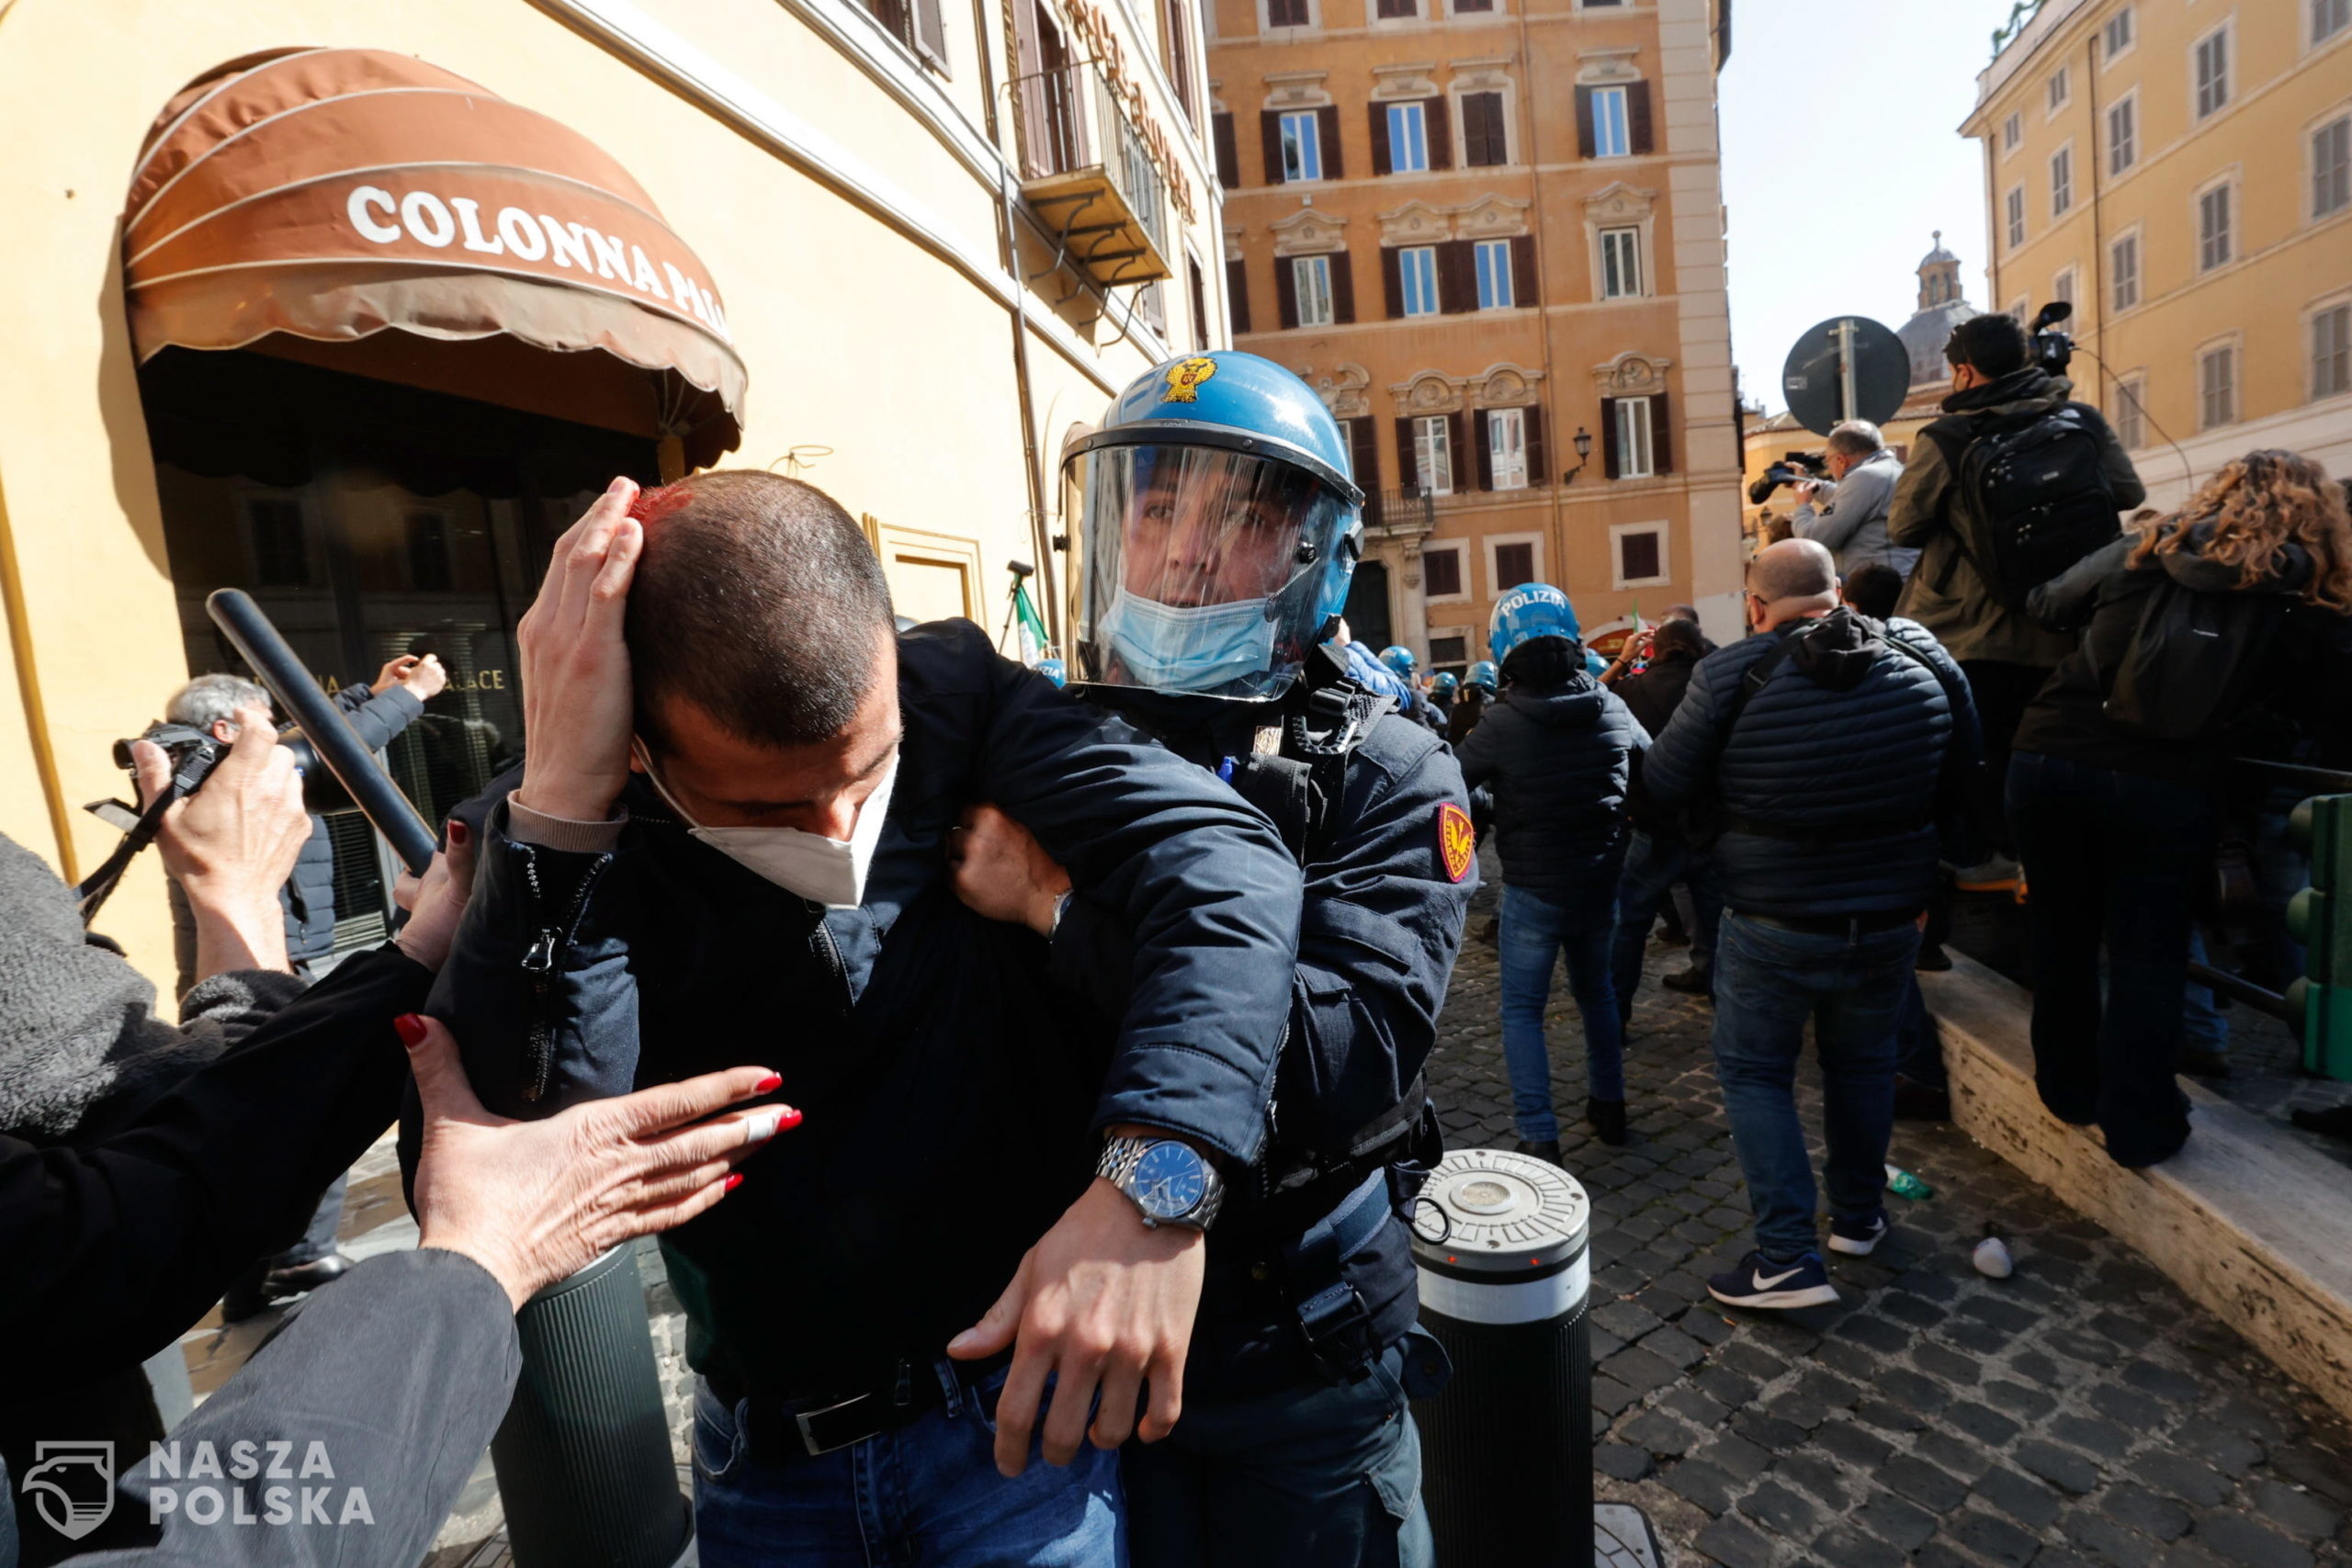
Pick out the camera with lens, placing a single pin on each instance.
(194, 753)
(2052, 350)
(1794, 467)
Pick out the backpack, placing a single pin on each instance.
(2032, 492)
(2195, 658)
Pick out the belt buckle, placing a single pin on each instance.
(808, 1439)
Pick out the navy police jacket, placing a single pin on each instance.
(1835, 773)
(1560, 762)
(1387, 891)
(950, 1093)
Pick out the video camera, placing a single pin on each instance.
(2052, 350)
(194, 754)
(1794, 467)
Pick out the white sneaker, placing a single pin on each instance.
(1997, 874)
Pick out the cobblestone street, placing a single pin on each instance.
(2082, 1412)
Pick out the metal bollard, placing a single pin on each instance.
(1507, 1464)
(583, 1462)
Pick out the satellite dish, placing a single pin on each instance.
(1845, 368)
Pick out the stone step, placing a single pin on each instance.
(2248, 1222)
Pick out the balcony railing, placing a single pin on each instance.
(1089, 176)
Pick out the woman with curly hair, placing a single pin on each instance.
(2230, 617)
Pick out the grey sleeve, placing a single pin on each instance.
(374, 1403)
(1860, 496)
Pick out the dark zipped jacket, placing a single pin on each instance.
(2300, 684)
(1560, 762)
(1381, 927)
(951, 1093)
(1847, 755)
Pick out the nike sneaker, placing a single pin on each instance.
(1759, 1281)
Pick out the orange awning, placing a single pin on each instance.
(350, 196)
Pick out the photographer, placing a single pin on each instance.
(1852, 522)
(1975, 566)
(377, 712)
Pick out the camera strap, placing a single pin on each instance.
(96, 887)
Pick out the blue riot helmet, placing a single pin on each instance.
(1443, 687)
(1054, 671)
(1399, 660)
(1527, 612)
(1217, 527)
(1485, 675)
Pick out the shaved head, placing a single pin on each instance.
(1793, 569)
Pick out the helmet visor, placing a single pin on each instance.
(1199, 567)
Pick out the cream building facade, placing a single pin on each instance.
(1490, 233)
(931, 240)
(2181, 169)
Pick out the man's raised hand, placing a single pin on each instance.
(576, 692)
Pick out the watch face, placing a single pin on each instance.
(1170, 1180)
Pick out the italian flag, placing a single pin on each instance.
(1031, 626)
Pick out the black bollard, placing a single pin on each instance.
(583, 1462)
(1507, 1460)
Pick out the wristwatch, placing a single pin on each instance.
(1170, 1182)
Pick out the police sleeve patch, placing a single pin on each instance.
(1457, 843)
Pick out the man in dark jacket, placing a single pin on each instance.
(1660, 855)
(1291, 1454)
(789, 771)
(1827, 742)
(1558, 750)
(2004, 652)
(377, 714)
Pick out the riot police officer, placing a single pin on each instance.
(1218, 529)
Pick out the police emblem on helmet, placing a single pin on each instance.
(1184, 379)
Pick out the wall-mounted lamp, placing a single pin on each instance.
(1583, 450)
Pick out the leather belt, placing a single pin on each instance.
(779, 1428)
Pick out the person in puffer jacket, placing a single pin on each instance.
(2113, 781)
(1558, 750)
(1828, 745)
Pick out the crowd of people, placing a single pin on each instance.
(1097, 1017)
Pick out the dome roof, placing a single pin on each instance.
(1923, 336)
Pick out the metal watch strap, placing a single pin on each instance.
(1116, 1165)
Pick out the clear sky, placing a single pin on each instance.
(1841, 156)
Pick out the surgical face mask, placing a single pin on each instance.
(825, 870)
(1174, 649)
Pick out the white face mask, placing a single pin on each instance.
(825, 870)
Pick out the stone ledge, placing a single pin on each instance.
(2253, 1226)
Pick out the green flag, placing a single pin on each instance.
(1032, 625)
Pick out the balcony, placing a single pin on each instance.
(1086, 172)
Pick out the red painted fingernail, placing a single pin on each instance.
(791, 1118)
(457, 831)
(411, 1029)
(769, 1083)
(733, 1182)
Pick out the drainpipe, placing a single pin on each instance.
(1009, 255)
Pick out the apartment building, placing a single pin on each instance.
(2181, 171)
(1490, 233)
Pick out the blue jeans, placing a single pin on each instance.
(1535, 933)
(1310, 1477)
(1653, 865)
(926, 1496)
(2116, 857)
(1769, 981)
(1918, 1049)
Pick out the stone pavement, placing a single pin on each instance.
(2082, 1412)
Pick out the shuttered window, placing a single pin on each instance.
(1514, 564)
(1621, 264)
(1236, 294)
(1495, 292)
(1484, 142)
(1302, 147)
(1416, 269)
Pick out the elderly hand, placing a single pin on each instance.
(537, 1201)
(437, 901)
(232, 845)
(1101, 1300)
(425, 678)
(1001, 872)
(577, 701)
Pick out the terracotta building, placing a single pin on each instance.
(1490, 233)
(2183, 174)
